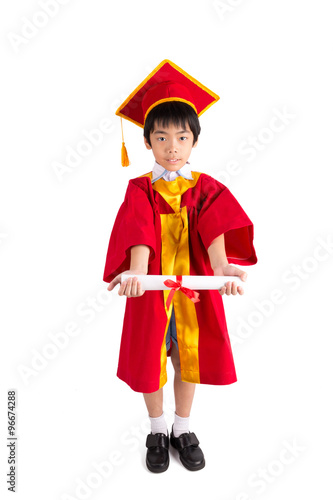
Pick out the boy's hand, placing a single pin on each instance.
(131, 287)
(230, 287)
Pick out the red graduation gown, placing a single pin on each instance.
(178, 220)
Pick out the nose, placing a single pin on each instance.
(172, 146)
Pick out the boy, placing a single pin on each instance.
(174, 221)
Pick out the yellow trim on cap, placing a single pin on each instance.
(130, 119)
(168, 99)
(205, 109)
(203, 87)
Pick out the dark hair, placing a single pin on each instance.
(176, 112)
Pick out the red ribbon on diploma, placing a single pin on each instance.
(177, 285)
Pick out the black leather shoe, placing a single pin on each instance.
(157, 459)
(190, 453)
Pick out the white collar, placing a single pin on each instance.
(159, 171)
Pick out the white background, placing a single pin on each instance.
(64, 73)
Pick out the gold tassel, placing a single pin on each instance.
(124, 156)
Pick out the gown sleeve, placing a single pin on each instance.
(134, 225)
(220, 213)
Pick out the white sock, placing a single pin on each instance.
(158, 425)
(180, 425)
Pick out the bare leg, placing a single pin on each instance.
(184, 391)
(154, 403)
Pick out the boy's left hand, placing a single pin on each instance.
(230, 288)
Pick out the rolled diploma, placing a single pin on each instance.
(155, 281)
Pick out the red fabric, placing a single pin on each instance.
(212, 210)
(167, 81)
(134, 225)
(165, 90)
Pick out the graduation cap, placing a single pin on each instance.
(167, 82)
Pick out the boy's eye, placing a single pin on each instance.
(183, 138)
(161, 138)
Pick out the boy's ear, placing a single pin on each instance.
(196, 143)
(148, 146)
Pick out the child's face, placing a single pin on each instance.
(171, 145)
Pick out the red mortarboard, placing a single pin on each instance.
(167, 82)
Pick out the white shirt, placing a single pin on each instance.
(159, 171)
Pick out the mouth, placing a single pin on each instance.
(173, 160)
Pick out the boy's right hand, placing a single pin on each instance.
(131, 287)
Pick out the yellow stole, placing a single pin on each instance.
(175, 260)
